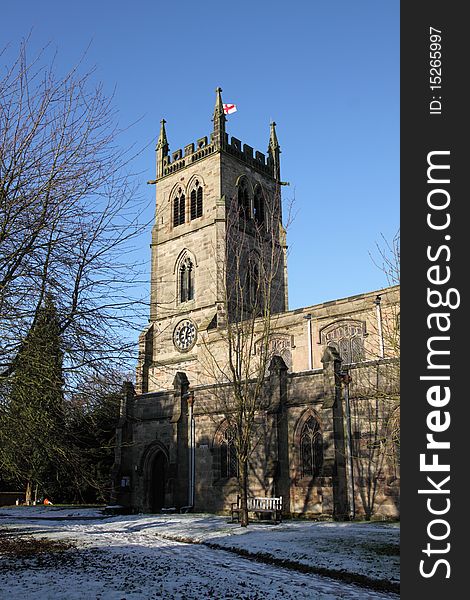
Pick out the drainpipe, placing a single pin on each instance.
(351, 491)
(191, 449)
(309, 335)
(379, 325)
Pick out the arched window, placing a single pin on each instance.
(347, 337)
(228, 456)
(253, 284)
(351, 349)
(226, 463)
(196, 201)
(186, 282)
(179, 205)
(253, 293)
(258, 206)
(311, 448)
(244, 200)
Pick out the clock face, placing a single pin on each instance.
(184, 336)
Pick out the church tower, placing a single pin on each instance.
(196, 189)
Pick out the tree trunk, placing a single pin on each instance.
(244, 493)
(28, 493)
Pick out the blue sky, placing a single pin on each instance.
(326, 71)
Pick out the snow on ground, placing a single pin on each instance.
(369, 549)
(131, 557)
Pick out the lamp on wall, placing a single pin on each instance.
(378, 310)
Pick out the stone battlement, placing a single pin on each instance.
(178, 160)
(169, 163)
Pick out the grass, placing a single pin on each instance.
(23, 547)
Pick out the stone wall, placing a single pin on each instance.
(159, 423)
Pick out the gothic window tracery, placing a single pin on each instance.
(252, 281)
(179, 208)
(347, 337)
(311, 448)
(226, 454)
(186, 280)
(196, 201)
(244, 199)
(253, 285)
(258, 206)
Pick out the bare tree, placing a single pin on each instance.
(373, 445)
(68, 213)
(91, 428)
(252, 292)
(373, 390)
(387, 258)
(389, 263)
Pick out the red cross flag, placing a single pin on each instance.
(229, 108)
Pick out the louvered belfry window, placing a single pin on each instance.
(258, 206)
(179, 206)
(243, 200)
(186, 280)
(196, 201)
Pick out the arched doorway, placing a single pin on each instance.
(158, 482)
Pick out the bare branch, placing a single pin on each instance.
(68, 211)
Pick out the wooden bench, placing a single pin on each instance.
(259, 506)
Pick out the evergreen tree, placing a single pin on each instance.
(32, 437)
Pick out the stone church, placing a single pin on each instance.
(327, 429)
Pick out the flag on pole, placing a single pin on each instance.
(229, 108)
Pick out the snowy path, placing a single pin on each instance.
(125, 560)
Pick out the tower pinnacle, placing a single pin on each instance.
(274, 150)
(162, 149)
(273, 143)
(218, 135)
(162, 141)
